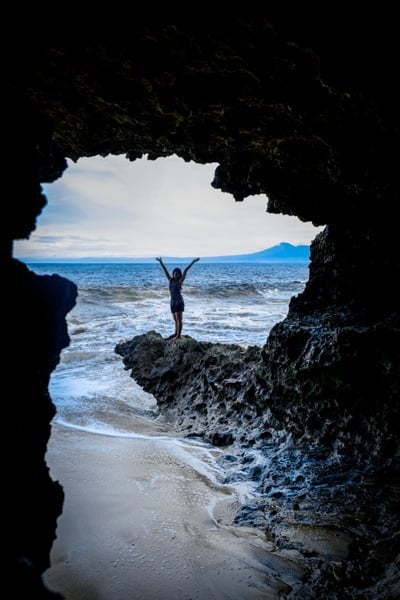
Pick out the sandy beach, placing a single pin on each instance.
(140, 522)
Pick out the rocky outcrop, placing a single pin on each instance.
(205, 389)
(300, 107)
(321, 454)
(322, 390)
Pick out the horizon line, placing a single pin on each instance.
(119, 259)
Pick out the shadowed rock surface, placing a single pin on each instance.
(300, 107)
(325, 472)
(205, 389)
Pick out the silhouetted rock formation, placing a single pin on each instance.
(301, 109)
(34, 310)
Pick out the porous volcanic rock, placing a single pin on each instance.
(299, 105)
(205, 389)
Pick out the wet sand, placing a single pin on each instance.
(141, 523)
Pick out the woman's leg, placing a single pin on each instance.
(176, 320)
(173, 336)
(178, 324)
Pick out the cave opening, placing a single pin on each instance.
(105, 221)
(99, 405)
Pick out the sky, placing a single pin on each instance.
(112, 207)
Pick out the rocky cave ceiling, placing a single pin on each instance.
(304, 113)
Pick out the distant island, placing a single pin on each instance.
(281, 253)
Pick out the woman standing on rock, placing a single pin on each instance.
(175, 290)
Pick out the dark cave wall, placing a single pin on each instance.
(35, 334)
(303, 112)
(331, 370)
(354, 269)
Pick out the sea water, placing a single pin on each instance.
(224, 303)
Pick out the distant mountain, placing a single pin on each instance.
(282, 253)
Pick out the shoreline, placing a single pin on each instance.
(140, 522)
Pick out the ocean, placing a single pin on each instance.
(225, 303)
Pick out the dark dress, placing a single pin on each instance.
(177, 304)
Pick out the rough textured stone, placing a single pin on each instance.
(212, 382)
(301, 107)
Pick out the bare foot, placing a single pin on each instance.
(171, 337)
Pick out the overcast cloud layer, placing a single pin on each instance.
(111, 207)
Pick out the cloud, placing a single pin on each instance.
(113, 207)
